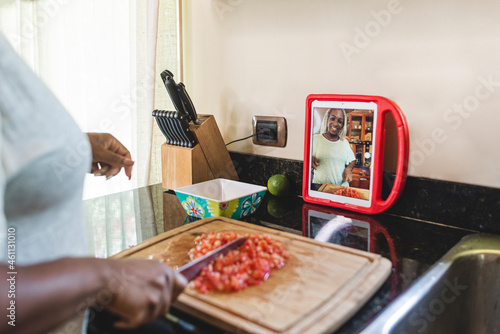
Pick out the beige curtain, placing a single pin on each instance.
(167, 57)
(102, 59)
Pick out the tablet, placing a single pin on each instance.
(352, 148)
(343, 151)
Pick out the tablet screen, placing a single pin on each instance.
(341, 151)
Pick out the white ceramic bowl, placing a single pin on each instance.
(221, 198)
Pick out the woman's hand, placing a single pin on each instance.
(347, 176)
(51, 293)
(109, 156)
(315, 162)
(142, 290)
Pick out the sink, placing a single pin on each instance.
(458, 294)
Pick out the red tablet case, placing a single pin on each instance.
(384, 106)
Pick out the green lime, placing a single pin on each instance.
(277, 207)
(278, 185)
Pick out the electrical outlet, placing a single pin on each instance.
(269, 131)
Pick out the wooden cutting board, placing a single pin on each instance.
(318, 290)
(333, 188)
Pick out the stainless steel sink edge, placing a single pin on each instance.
(439, 286)
(385, 322)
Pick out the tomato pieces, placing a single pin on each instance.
(249, 265)
(349, 192)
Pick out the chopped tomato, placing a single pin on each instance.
(249, 265)
(349, 192)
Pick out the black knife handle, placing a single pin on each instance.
(159, 122)
(168, 80)
(177, 137)
(184, 141)
(186, 131)
(188, 104)
(166, 126)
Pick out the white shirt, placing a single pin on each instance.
(333, 157)
(44, 158)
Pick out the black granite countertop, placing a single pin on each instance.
(118, 221)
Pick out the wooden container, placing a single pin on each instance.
(208, 159)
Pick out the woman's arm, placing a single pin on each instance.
(348, 171)
(48, 294)
(315, 162)
(109, 155)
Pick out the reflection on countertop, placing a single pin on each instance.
(118, 221)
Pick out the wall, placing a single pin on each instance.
(439, 60)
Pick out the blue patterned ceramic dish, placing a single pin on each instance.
(221, 198)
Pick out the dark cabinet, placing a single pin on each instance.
(359, 135)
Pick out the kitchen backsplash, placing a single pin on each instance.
(454, 204)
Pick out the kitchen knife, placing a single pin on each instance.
(183, 125)
(174, 139)
(193, 268)
(169, 127)
(173, 117)
(188, 104)
(168, 80)
(176, 129)
(166, 127)
(159, 121)
(161, 126)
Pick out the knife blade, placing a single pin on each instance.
(193, 268)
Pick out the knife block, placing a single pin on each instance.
(208, 159)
